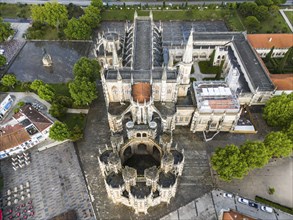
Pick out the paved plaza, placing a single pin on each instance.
(64, 56)
(56, 182)
(194, 182)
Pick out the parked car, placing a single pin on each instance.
(266, 209)
(243, 201)
(228, 195)
(252, 204)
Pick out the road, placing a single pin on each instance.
(114, 2)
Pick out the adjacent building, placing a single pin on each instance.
(24, 130)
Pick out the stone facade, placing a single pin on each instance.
(148, 92)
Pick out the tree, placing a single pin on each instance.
(86, 67)
(279, 2)
(36, 84)
(262, 13)
(64, 100)
(57, 110)
(76, 133)
(97, 3)
(83, 91)
(255, 154)
(54, 14)
(278, 110)
(92, 16)
(229, 163)
(284, 59)
(46, 92)
(269, 55)
(264, 2)
(3, 60)
(289, 132)
(274, 9)
(5, 30)
(278, 144)
(59, 131)
(251, 22)
(247, 9)
(9, 80)
(77, 29)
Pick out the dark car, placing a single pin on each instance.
(252, 204)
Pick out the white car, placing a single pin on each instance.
(266, 209)
(2, 51)
(228, 195)
(243, 201)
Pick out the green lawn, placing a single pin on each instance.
(14, 10)
(206, 68)
(73, 119)
(289, 15)
(61, 89)
(273, 24)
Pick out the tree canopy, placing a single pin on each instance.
(255, 154)
(46, 92)
(9, 80)
(229, 163)
(59, 131)
(5, 30)
(97, 3)
(278, 144)
(2, 60)
(57, 110)
(92, 16)
(247, 9)
(83, 91)
(52, 13)
(86, 67)
(36, 84)
(77, 29)
(251, 22)
(278, 110)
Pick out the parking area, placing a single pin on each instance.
(213, 204)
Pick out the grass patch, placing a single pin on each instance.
(273, 204)
(61, 89)
(166, 15)
(289, 15)
(234, 22)
(72, 120)
(15, 10)
(273, 24)
(207, 68)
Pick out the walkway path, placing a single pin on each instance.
(197, 73)
(282, 11)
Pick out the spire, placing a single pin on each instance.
(151, 15)
(115, 57)
(131, 78)
(135, 14)
(187, 56)
(164, 75)
(119, 78)
(151, 78)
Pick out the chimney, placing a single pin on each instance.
(270, 39)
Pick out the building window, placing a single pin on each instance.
(138, 134)
(144, 134)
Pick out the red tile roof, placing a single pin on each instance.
(141, 91)
(232, 215)
(282, 81)
(38, 119)
(12, 136)
(270, 40)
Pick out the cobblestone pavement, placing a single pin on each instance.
(195, 181)
(56, 182)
